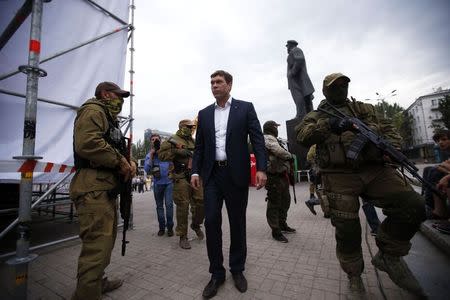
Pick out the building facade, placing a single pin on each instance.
(425, 114)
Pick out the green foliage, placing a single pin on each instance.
(391, 110)
(405, 128)
(444, 109)
(399, 118)
(140, 149)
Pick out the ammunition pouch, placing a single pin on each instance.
(356, 146)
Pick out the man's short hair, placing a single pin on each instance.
(155, 135)
(441, 133)
(228, 77)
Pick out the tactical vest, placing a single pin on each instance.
(332, 152)
(113, 136)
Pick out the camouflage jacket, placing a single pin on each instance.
(278, 160)
(90, 126)
(331, 148)
(181, 156)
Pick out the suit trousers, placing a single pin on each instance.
(220, 187)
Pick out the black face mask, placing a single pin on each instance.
(337, 94)
(157, 144)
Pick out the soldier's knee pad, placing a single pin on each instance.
(410, 206)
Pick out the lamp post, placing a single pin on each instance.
(382, 99)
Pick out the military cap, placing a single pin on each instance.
(329, 79)
(186, 122)
(291, 42)
(110, 87)
(270, 124)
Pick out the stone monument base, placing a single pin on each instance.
(293, 146)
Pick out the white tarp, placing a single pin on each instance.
(71, 79)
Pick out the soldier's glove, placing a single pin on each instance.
(187, 152)
(338, 126)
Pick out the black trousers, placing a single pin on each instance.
(220, 187)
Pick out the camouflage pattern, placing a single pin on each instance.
(178, 149)
(344, 181)
(97, 212)
(277, 186)
(278, 201)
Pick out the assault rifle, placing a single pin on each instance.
(366, 134)
(126, 195)
(291, 178)
(291, 174)
(179, 146)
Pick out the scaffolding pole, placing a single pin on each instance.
(21, 15)
(132, 7)
(12, 73)
(18, 286)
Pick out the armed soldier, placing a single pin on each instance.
(100, 164)
(367, 176)
(277, 186)
(179, 149)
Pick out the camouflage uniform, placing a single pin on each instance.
(367, 176)
(277, 186)
(178, 149)
(90, 190)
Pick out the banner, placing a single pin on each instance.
(71, 78)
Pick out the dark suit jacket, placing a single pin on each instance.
(242, 122)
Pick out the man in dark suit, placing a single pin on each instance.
(221, 162)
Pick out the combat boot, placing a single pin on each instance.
(287, 229)
(184, 243)
(398, 271)
(278, 236)
(198, 231)
(355, 284)
(310, 205)
(110, 285)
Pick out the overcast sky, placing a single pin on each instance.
(381, 45)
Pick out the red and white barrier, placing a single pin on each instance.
(34, 166)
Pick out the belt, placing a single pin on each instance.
(221, 163)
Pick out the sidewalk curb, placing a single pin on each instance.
(442, 241)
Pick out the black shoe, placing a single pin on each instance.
(212, 287)
(240, 282)
(288, 229)
(169, 232)
(280, 237)
(311, 207)
(161, 232)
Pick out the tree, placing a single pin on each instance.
(405, 128)
(444, 109)
(140, 149)
(388, 110)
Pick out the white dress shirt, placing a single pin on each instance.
(220, 124)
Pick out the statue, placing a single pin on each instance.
(298, 80)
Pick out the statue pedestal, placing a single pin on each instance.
(293, 146)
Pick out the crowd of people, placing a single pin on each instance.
(200, 175)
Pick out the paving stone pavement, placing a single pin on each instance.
(157, 268)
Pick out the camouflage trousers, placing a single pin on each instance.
(385, 188)
(278, 201)
(183, 197)
(97, 215)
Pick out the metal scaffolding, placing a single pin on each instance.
(33, 71)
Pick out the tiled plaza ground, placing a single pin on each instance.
(156, 268)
